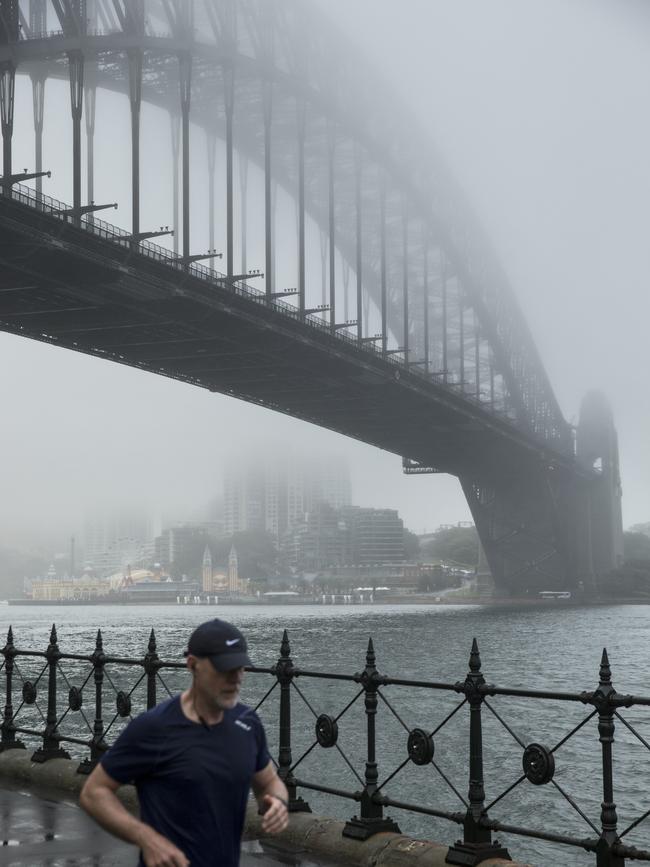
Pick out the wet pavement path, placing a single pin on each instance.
(41, 832)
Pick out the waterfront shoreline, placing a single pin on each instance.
(501, 601)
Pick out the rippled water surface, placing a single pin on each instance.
(555, 648)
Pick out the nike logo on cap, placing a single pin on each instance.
(232, 641)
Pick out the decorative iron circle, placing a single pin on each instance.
(29, 692)
(539, 764)
(75, 698)
(420, 747)
(327, 731)
(123, 703)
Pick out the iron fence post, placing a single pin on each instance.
(51, 748)
(284, 671)
(97, 744)
(477, 844)
(150, 665)
(9, 740)
(605, 855)
(371, 819)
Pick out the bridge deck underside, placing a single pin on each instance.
(62, 285)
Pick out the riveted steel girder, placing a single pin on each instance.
(273, 41)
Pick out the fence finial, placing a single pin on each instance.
(474, 657)
(285, 647)
(605, 670)
(370, 654)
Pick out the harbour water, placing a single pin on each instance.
(553, 647)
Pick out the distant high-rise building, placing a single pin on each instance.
(179, 548)
(115, 539)
(274, 495)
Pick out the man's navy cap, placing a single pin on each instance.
(221, 642)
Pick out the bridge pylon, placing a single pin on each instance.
(524, 522)
(545, 529)
(597, 449)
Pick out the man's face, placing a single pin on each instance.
(218, 689)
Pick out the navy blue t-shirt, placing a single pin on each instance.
(193, 782)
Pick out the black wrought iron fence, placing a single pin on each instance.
(120, 686)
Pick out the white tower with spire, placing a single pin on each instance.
(207, 570)
(233, 571)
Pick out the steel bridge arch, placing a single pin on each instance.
(292, 48)
(417, 239)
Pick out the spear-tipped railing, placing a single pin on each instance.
(604, 704)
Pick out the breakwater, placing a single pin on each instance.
(401, 741)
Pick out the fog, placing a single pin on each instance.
(539, 109)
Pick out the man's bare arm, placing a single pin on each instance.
(99, 800)
(272, 796)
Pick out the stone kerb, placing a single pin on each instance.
(308, 833)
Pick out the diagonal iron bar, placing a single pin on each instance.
(394, 774)
(632, 729)
(506, 792)
(448, 717)
(304, 755)
(165, 687)
(634, 824)
(504, 724)
(392, 710)
(304, 698)
(348, 705)
(449, 783)
(266, 695)
(574, 805)
(573, 731)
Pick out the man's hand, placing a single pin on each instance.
(99, 800)
(276, 815)
(158, 851)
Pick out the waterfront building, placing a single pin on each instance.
(321, 540)
(353, 535)
(376, 535)
(53, 588)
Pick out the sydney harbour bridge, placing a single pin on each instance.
(397, 326)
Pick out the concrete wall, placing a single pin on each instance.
(307, 833)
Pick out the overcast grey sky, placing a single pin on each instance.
(540, 109)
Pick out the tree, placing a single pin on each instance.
(455, 545)
(17, 565)
(636, 546)
(411, 546)
(257, 555)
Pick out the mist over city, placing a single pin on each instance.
(323, 330)
(546, 142)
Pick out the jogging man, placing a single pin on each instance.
(193, 760)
